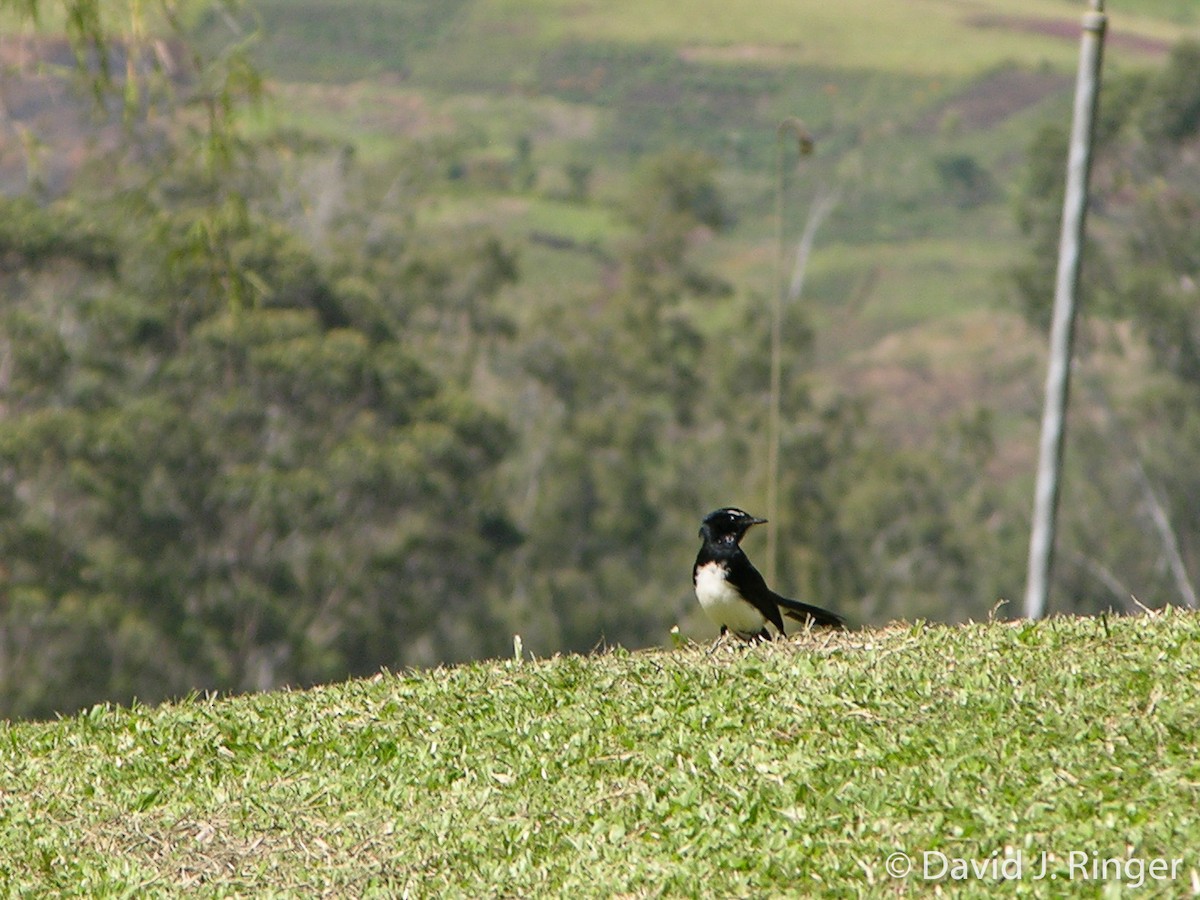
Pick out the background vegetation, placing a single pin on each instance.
(337, 336)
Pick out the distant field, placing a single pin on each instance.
(336, 38)
(921, 38)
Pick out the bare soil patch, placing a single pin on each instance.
(1068, 29)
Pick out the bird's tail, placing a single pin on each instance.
(805, 612)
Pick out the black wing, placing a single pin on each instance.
(753, 587)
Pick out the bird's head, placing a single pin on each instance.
(728, 524)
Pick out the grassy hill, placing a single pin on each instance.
(796, 768)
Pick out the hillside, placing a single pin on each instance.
(899, 102)
(793, 768)
(896, 101)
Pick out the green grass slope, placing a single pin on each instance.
(790, 769)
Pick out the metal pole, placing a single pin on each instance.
(1062, 324)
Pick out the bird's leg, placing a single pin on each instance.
(719, 641)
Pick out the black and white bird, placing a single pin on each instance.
(732, 591)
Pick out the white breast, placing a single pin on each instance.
(723, 604)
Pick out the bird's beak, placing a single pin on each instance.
(758, 521)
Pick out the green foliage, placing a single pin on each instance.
(578, 175)
(676, 190)
(269, 491)
(222, 465)
(967, 182)
(797, 766)
(34, 237)
(1172, 110)
(621, 378)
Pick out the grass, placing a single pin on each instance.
(789, 769)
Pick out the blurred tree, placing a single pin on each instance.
(967, 182)
(221, 464)
(621, 376)
(237, 497)
(1171, 109)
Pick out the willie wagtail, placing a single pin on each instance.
(732, 591)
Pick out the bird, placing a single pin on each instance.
(733, 592)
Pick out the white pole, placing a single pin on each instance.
(1062, 324)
